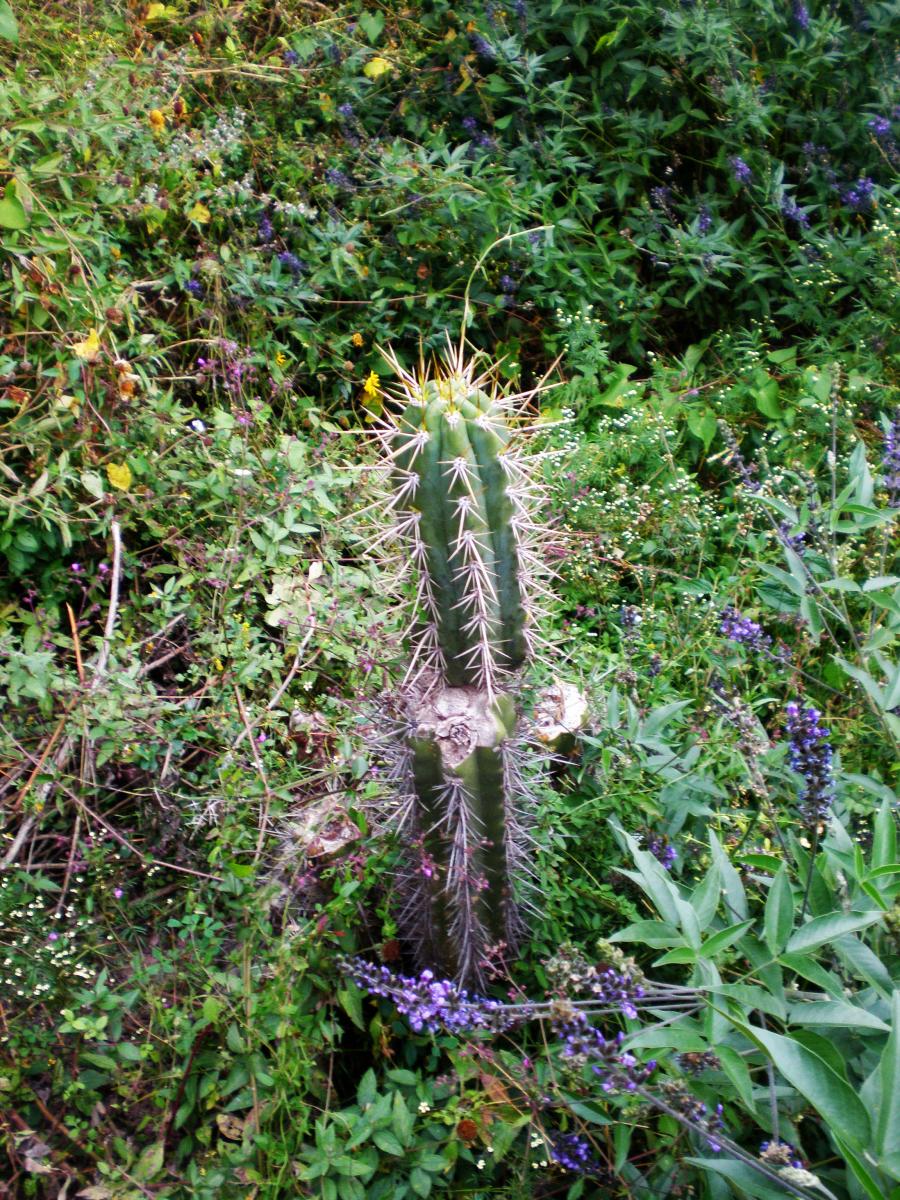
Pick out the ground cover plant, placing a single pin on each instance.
(672, 230)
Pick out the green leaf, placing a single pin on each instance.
(779, 917)
(884, 841)
(149, 1165)
(420, 1182)
(887, 1124)
(128, 1051)
(828, 928)
(388, 1142)
(350, 1000)
(835, 1012)
(9, 26)
(738, 1074)
(372, 24)
(723, 939)
(745, 1179)
(402, 1121)
(367, 1090)
(834, 1099)
(12, 212)
(870, 1184)
(705, 897)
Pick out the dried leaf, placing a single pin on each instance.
(200, 213)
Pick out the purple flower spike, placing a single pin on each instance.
(810, 755)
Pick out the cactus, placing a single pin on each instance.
(462, 497)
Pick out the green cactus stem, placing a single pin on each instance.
(461, 499)
(464, 826)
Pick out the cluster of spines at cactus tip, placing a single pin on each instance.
(462, 498)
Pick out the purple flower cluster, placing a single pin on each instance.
(858, 196)
(800, 14)
(430, 1005)
(290, 58)
(662, 850)
(746, 472)
(704, 219)
(194, 287)
(695, 1112)
(265, 228)
(480, 139)
(630, 618)
(890, 462)
(573, 1152)
(584, 1045)
(742, 630)
(810, 755)
(780, 1154)
(339, 179)
(740, 170)
(291, 262)
(482, 47)
(792, 212)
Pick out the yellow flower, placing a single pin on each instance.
(357, 339)
(157, 120)
(200, 213)
(155, 12)
(119, 476)
(280, 359)
(89, 349)
(218, 664)
(371, 386)
(376, 67)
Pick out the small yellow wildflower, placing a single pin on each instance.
(218, 664)
(89, 349)
(371, 387)
(280, 359)
(157, 120)
(357, 339)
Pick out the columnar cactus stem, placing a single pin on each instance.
(461, 502)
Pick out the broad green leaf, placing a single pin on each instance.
(884, 841)
(828, 928)
(723, 939)
(835, 1012)
(735, 896)
(705, 897)
(388, 1142)
(12, 211)
(834, 1099)
(872, 1186)
(738, 1073)
(9, 27)
(887, 1125)
(420, 1182)
(150, 1163)
(746, 1180)
(657, 934)
(779, 916)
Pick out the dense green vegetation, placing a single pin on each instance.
(680, 225)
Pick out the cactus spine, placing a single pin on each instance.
(461, 497)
